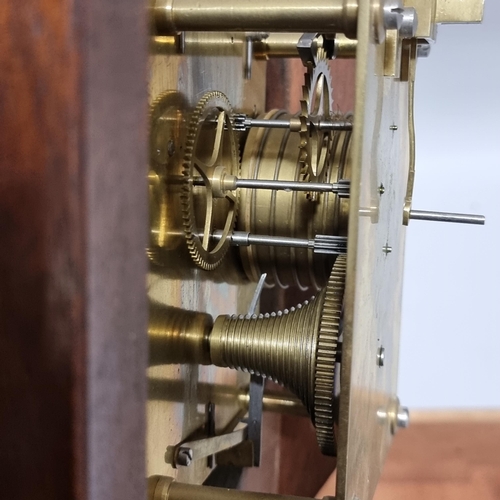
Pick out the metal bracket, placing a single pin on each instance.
(185, 453)
(256, 392)
(308, 44)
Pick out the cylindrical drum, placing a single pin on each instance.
(274, 154)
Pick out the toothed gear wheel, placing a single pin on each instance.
(164, 112)
(324, 375)
(316, 104)
(211, 145)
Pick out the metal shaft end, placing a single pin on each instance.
(403, 417)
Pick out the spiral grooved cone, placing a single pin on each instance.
(296, 348)
(281, 346)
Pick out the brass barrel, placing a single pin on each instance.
(318, 16)
(276, 45)
(165, 488)
(178, 336)
(273, 154)
(279, 45)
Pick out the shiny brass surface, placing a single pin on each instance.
(273, 401)
(211, 147)
(276, 45)
(210, 205)
(345, 48)
(185, 332)
(189, 43)
(392, 55)
(296, 347)
(165, 488)
(283, 403)
(173, 415)
(167, 114)
(192, 139)
(323, 16)
(431, 13)
(173, 284)
(279, 45)
(272, 345)
(459, 11)
(273, 154)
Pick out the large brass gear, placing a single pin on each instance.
(326, 354)
(166, 120)
(295, 347)
(211, 147)
(316, 104)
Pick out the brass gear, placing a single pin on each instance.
(316, 103)
(166, 119)
(211, 147)
(324, 375)
(296, 347)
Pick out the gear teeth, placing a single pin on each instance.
(207, 260)
(309, 171)
(324, 376)
(169, 99)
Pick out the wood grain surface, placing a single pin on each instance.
(451, 458)
(72, 262)
(442, 456)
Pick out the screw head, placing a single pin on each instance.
(409, 23)
(184, 457)
(403, 417)
(393, 127)
(381, 356)
(381, 189)
(387, 249)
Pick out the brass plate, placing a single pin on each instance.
(178, 394)
(374, 276)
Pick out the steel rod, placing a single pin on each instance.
(320, 187)
(286, 404)
(322, 124)
(326, 244)
(246, 239)
(256, 122)
(242, 238)
(232, 183)
(243, 122)
(334, 125)
(447, 217)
